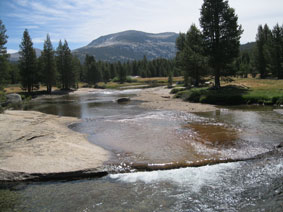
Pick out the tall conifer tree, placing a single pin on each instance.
(49, 65)
(221, 35)
(28, 69)
(3, 55)
(277, 52)
(263, 44)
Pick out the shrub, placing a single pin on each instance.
(279, 101)
(2, 101)
(128, 79)
(176, 90)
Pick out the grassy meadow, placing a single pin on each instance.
(238, 91)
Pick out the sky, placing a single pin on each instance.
(81, 21)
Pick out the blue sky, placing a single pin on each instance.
(81, 21)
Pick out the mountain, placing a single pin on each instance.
(248, 46)
(130, 45)
(16, 56)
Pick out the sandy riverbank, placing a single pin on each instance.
(160, 98)
(33, 142)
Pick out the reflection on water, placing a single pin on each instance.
(136, 135)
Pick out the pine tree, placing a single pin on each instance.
(49, 65)
(96, 70)
(105, 73)
(76, 71)
(180, 45)
(263, 44)
(277, 52)
(60, 61)
(244, 64)
(67, 75)
(3, 55)
(221, 35)
(88, 65)
(65, 66)
(193, 56)
(121, 73)
(112, 71)
(170, 79)
(28, 71)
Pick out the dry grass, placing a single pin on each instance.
(17, 89)
(252, 83)
(159, 79)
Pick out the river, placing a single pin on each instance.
(142, 139)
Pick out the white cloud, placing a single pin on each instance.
(11, 51)
(30, 27)
(81, 21)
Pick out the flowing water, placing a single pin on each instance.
(155, 139)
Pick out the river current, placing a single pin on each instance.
(142, 139)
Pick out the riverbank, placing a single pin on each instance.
(160, 98)
(35, 145)
(237, 92)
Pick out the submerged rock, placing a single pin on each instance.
(123, 100)
(280, 145)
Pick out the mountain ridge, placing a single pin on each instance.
(14, 57)
(130, 45)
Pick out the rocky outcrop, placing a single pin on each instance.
(37, 146)
(14, 98)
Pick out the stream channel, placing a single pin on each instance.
(180, 143)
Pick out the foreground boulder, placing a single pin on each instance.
(13, 98)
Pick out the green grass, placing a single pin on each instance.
(116, 85)
(263, 96)
(150, 82)
(232, 95)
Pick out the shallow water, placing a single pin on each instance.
(242, 186)
(137, 137)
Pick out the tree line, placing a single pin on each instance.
(269, 51)
(99, 71)
(60, 68)
(52, 68)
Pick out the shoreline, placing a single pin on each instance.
(160, 98)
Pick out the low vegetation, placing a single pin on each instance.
(239, 91)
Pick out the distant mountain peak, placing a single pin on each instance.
(14, 57)
(130, 45)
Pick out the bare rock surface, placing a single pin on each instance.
(40, 144)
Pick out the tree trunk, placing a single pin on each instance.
(29, 89)
(217, 78)
(197, 78)
(49, 89)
